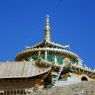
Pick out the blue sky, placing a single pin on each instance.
(72, 22)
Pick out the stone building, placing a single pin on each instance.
(46, 64)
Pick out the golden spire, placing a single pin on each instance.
(47, 30)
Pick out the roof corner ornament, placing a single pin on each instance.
(47, 30)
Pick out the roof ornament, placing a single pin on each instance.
(47, 30)
(47, 20)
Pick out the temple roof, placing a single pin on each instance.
(20, 70)
(48, 44)
(28, 52)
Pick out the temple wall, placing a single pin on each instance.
(82, 88)
(75, 88)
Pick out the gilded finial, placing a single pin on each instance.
(47, 29)
(47, 19)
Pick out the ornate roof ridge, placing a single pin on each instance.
(49, 49)
(51, 43)
(82, 68)
(62, 46)
(29, 47)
